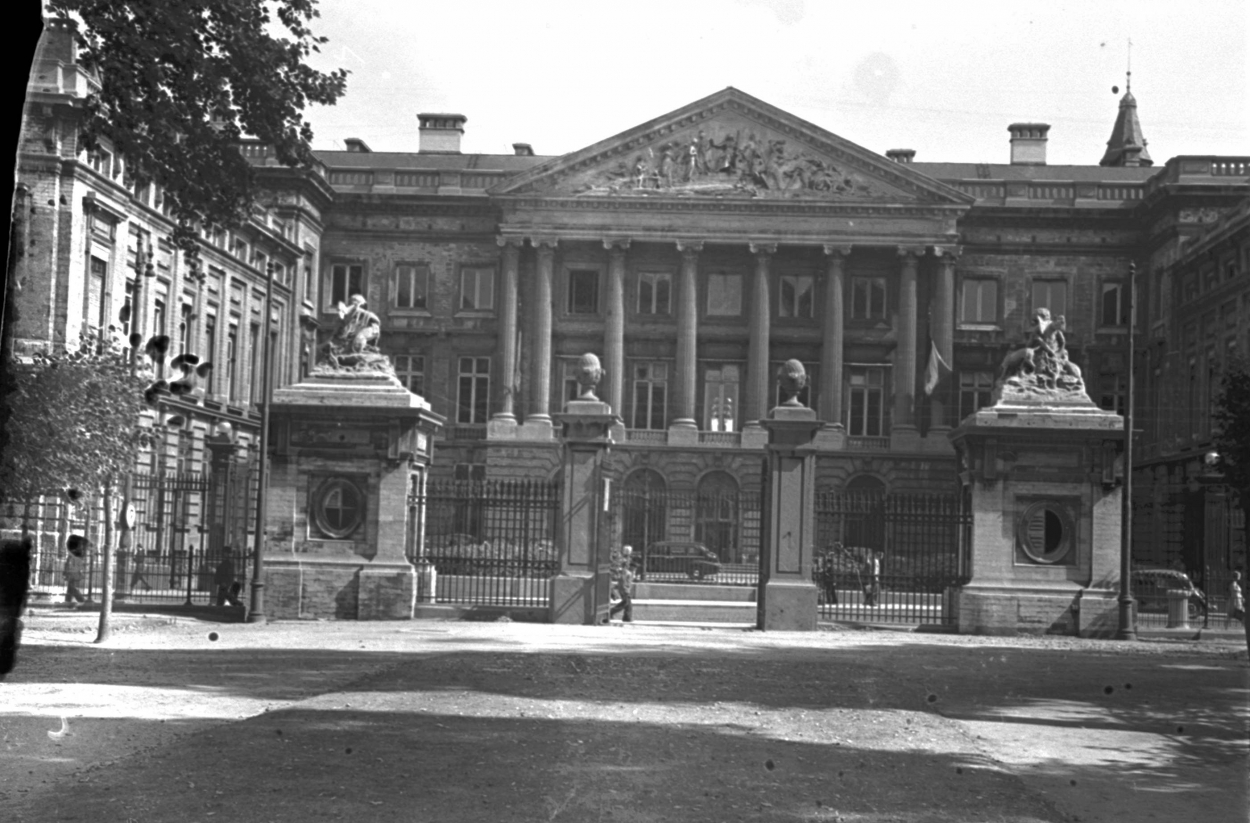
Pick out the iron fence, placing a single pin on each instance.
(687, 537)
(491, 542)
(920, 543)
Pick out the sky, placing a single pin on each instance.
(943, 78)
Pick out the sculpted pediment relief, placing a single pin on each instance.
(730, 146)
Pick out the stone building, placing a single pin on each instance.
(694, 254)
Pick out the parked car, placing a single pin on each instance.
(1151, 587)
(694, 560)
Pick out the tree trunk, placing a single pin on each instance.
(106, 588)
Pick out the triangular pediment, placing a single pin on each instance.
(730, 146)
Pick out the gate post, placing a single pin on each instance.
(787, 595)
(579, 591)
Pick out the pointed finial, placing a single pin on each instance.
(1128, 75)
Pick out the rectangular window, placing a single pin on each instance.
(308, 283)
(720, 397)
(1051, 294)
(797, 297)
(866, 399)
(96, 309)
(650, 396)
(976, 388)
(1114, 304)
(867, 298)
(654, 292)
(129, 310)
(411, 286)
(474, 390)
(158, 316)
(184, 330)
(477, 288)
(724, 295)
(210, 352)
(345, 280)
(410, 368)
(978, 300)
(257, 367)
(232, 362)
(583, 291)
(1111, 392)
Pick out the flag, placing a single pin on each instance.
(933, 372)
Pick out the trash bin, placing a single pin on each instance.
(1178, 609)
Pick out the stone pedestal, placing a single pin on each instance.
(347, 449)
(787, 595)
(580, 591)
(1041, 482)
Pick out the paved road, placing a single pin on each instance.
(944, 728)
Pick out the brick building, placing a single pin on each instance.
(693, 253)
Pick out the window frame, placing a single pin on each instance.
(1120, 289)
(480, 273)
(332, 291)
(871, 280)
(1049, 283)
(651, 382)
(712, 375)
(725, 275)
(882, 388)
(979, 282)
(794, 312)
(479, 390)
(571, 275)
(659, 276)
(405, 371)
(415, 273)
(982, 383)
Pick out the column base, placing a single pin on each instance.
(536, 427)
(502, 426)
(788, 607)
(683, 432)
(905, 437)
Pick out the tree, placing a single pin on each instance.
(74, 425)
(1232, 441)
(182, 82)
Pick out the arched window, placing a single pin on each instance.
(644, 509)
(717, 515)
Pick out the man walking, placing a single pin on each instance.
(623, 579)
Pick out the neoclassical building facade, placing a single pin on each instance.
(693, 254)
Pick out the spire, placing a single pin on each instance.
(1127, 146)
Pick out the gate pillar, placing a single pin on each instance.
(787, 595)
(580, 590)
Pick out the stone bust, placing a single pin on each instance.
(793, 379)
(589, 373)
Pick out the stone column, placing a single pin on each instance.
(942, 327)
(505, 417)
(579, 592)
(686, 419)
(833, 329)
(757, 402)
(787, 595)
(538, 421)
(614, 330)
(905, 354)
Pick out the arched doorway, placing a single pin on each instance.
(644, 509)
(717, 515)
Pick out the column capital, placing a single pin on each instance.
(505, 241)
(951, 253)
(762, 248)
(616, 243)
(911, 252)
(689, 246)
(838, 249)
(541, 243)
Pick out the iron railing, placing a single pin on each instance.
(921, 541)
(491, 542)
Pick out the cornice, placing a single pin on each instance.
(538, 203)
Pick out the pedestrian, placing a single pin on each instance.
(873, 569)
(623, 580)
(227, 586)
(75, 563)
(14, 586)
(1236, 602)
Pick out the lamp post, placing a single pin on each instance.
(256, 613)
(1127, 630)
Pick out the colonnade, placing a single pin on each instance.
(908, 356)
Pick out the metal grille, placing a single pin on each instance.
(491, 542)
(921, 541)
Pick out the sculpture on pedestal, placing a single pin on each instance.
(793, 379)
(589, 373)
(353, 346)
(1040, 371)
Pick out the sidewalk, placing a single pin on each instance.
(180, 719)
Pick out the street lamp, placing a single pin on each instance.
(1127, 630)
(256, 613)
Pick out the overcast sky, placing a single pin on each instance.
(943, 78)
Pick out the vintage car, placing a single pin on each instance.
(694, 560)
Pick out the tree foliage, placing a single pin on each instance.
(182, 82)
(73, 421)
(1232, 419)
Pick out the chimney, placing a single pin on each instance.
(58, 41)
(441, 133)
(356, 144)
(523, 149)
(1028, 143)
(901, 155)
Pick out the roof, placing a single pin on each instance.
(1007, 171)
(1127, 145)
(429, 160)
